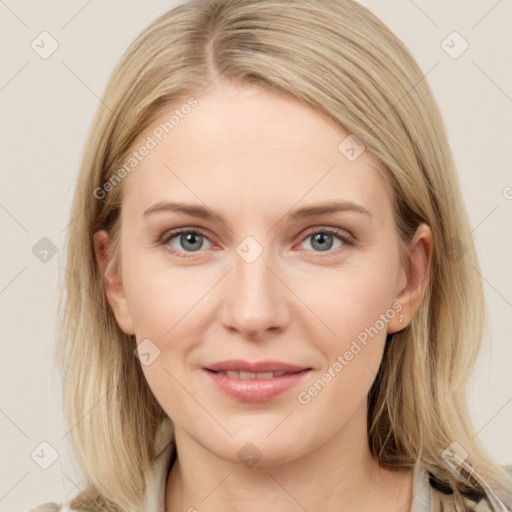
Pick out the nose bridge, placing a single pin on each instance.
(251, 272)
(253, 279)
(255, 301)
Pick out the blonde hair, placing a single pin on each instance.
(336, 56)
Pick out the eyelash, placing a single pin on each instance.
(169, 235)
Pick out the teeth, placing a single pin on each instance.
(251, 375)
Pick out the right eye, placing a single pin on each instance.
(184, 240)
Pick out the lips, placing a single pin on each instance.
(271, 379)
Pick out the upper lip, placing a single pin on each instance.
(255, 367)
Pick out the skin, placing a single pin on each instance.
(252, 155)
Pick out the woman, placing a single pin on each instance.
(312, 352)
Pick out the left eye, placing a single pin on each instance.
(189, 241)
(323, 239)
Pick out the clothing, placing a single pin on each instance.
(425, 497)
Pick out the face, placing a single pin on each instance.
(255, 280)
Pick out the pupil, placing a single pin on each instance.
(320, 238)
(190, 239)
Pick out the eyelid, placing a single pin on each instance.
(171, 233)
(345, 235)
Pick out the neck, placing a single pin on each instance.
(340, 472)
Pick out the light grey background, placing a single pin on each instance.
(46, 107)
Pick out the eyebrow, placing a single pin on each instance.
(300, 213)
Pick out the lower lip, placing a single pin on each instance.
(256, 390)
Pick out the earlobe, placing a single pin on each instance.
(112, 282)
(411, 295)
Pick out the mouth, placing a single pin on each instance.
(254, 386)
(243, 375)
(259, 369)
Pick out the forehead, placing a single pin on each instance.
(246, 146)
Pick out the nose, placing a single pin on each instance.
(255, 298)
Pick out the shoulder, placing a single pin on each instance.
(444, 502)
(487, 501)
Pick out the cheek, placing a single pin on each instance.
(351, 301)
(356, 308)
(162, 298)
(166, 306)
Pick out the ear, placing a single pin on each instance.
(112, 282)
(411, 294)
